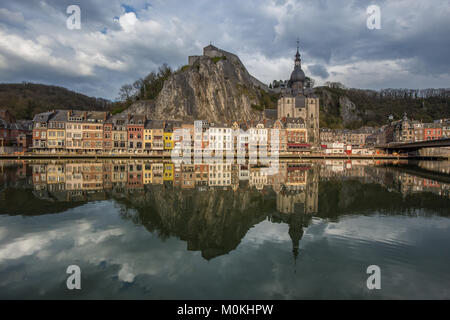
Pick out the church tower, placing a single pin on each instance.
(300, 103)
(297, 81)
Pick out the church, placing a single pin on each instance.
(300, 103)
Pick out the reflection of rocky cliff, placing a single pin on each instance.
(18, 201)
(212, 221)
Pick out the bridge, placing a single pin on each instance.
(415, 146)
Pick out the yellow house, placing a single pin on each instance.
(168, 140)
(148, 137)
(168, 172)
(56, 132)
(169, 127)
(147, 173)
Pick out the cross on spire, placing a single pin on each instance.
(297, 55)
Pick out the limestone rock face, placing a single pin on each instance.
(337, 105)
(349, 112)
(213, 89)
(142, 107)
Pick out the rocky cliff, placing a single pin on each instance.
(336, 110)
(211, 88)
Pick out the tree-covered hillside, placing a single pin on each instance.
(24, 100)
(373, 108)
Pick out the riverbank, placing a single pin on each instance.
(168, 156)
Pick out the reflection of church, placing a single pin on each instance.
(299, 194)
(297, 200)
(299, 102)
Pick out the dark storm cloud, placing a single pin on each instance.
(319, 71)
(121, 41)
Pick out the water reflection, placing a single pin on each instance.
(212, 206)
(236, 217)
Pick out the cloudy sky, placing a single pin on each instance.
(121, 41)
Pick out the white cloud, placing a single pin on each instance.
(126, 274)
(128, 21)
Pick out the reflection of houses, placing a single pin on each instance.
(220, 174)
(56, 174)
(244, 172)
(147, 174)
(409, 184)
(215, 220)
(188, 176)
(201, 174)
(300, 193)
(135, 179)
(119, 173)
(168, 171)
(74, 176)
(92, 176)
(157, 173)
(235, 176)
(39, 175)
(258, 177)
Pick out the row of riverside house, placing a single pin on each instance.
(97, 132)
(15, 135)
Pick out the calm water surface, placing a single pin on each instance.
(148, 230)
